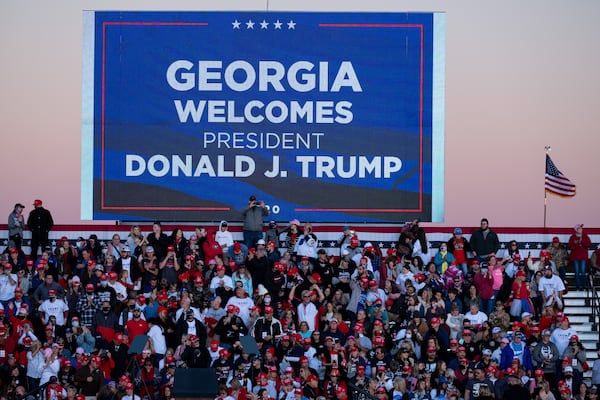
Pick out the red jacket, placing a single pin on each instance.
(579, 247)
(485, 285)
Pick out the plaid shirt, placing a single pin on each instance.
(87, 312)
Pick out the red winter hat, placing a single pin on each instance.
(317, 278)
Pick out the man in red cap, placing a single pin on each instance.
(312, 389)
(89, 377)
(88, 305)
(559, 254)
(267, 329)
(231, 326)
(440, 334)
(118, 287)
(40, 223)
(119, 353)
(14, 305)
(223, 365)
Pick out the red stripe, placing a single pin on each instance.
(559, 181)
(371, 228)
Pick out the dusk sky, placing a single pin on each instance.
(519, 76)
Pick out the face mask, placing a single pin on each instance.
(409, 335)
(52, 299)
(267, 299)
(75, 324)
(106, 309)
(103, 283)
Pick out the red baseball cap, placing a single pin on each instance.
(317, 278)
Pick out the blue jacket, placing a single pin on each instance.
(508, 354)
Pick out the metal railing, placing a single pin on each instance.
(38, 393)
(594, 302)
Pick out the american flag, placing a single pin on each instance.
(556, 182)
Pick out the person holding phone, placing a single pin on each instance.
(254, 214)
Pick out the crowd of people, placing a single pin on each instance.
(467, 321)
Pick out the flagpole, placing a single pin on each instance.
(547, 149)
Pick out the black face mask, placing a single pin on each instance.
(106, 309)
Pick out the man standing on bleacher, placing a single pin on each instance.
(39, 223)
(484, 242)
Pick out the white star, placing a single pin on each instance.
(291, 24)
(380, 245)
(319, 244)
(277, 24)
(539, 245)
(527, 245)
(264, 24)
(250, 25)
(236, 24)
(502, 246)
(393, 245)
(331, 244)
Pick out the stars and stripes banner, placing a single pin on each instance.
(327, 117)
(556, 182)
